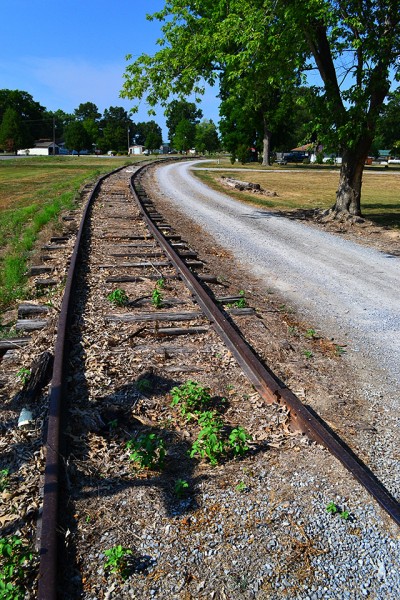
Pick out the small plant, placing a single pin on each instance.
(118, 560)
(241, 487)
(118, 297)
(209, 442)
(181, 488)
(339, 350)
(242, 303)
(14, 556)
(144, 386)
(237, 441)
(332, 508)
(308, 353)
(148, 451)
(310, 334)
(23, 375)
(156, 298)
(4, 479)
(191, 396)
(292, 330)
(160, 283)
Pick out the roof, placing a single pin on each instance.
(303, 148)
(43, 144)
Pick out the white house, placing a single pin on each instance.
(137, 149)
(41, 148)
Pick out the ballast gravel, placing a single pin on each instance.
(268, 537)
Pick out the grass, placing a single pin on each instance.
(33, 192)
(310, 187)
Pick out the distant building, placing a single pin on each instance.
(136, 149)
(41, 148)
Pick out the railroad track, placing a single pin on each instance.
(142, 314)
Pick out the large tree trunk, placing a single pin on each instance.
(266, 144)
(348, 195)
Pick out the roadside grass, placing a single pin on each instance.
(305, 187)
(33, 192)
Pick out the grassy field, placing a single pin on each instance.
(305, 187)
(33, 192)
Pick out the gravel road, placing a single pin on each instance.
(349, 291)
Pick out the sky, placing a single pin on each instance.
(67, 52)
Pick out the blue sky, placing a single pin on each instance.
(65, 52)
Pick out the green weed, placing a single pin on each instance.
(241, 487)
(237, 441)
(148, 451)
(118, 560)
(242, 303)
(4, 479)
(156, 298)
(310, 334)
(209, 443)
(23, 375)
(118, 297)
(339, 350)
(308, 353)
(14, 557)
(181, 488)
(191, 396)
(333, 509)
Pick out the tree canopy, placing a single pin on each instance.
(22, 115)
(353, 45)
(181, 110)
(206, 137)
(76, 137)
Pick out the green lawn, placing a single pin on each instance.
(33, 192)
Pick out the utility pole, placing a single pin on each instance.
(54, 136)
(128, 139)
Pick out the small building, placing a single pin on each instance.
(41, 148)
(165, 148)
(136, 149)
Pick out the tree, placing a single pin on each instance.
(179, 110)
(153, 135)
(115, 129)
(30, 112)
(76, 137)
(184, 136)
(352, 44)
(60, 120)
(388, 127)
(206, 137)
(14, 135)
(87, 110)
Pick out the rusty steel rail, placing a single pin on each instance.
(267, 385)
